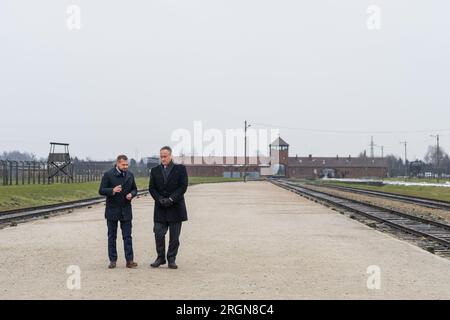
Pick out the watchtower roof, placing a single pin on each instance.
(278, 142)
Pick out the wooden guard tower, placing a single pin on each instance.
(59, 163)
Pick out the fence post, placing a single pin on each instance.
(45, 173)
(10, 172)
(2, 171)
(23, 172)
(34, 172)
(29, 172)
(5, 172)
(17, 172)
(39, 172)
(42, 165)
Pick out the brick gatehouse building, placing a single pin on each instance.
(280, 164)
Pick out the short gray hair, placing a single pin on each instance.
(166, 148)
(122, 157)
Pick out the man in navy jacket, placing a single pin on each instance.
(168, 183)
(119, 187)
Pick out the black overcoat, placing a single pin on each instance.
(175, 187)
(118, 207)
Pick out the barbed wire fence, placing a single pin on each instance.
(13, 172)
(22, 172)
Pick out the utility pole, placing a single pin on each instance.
(372, 144)
(246, 126)
(382, 152)
(437, 156)
(405, 143)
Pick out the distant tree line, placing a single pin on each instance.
(19, 156)
(428, 167)
(139, 168)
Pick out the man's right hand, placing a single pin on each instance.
(117, 189)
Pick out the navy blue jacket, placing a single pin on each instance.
(175, 187)
(118, 207)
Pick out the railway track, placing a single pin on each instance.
(429, 234)
(435, 204)
(13, 216)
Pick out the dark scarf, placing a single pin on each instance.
(166, 171)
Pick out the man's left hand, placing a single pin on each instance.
(129, 196)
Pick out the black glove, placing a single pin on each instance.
(165, 202)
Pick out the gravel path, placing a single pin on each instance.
(244, 241)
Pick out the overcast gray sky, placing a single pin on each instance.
(137, 70)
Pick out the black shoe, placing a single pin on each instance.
(173, 265)
(157, 263)
(112, 265)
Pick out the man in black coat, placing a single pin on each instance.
(168, 183)
(119, 187)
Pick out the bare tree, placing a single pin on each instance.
(430, 156)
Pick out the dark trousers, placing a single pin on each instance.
(125, 225)
(160, 230)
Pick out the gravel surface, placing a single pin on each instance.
(244, 241)
(409, 208)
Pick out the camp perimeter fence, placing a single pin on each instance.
(14, 172)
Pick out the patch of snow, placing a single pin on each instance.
(393, 182)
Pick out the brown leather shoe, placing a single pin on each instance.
(131, 264)
(112, 265)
